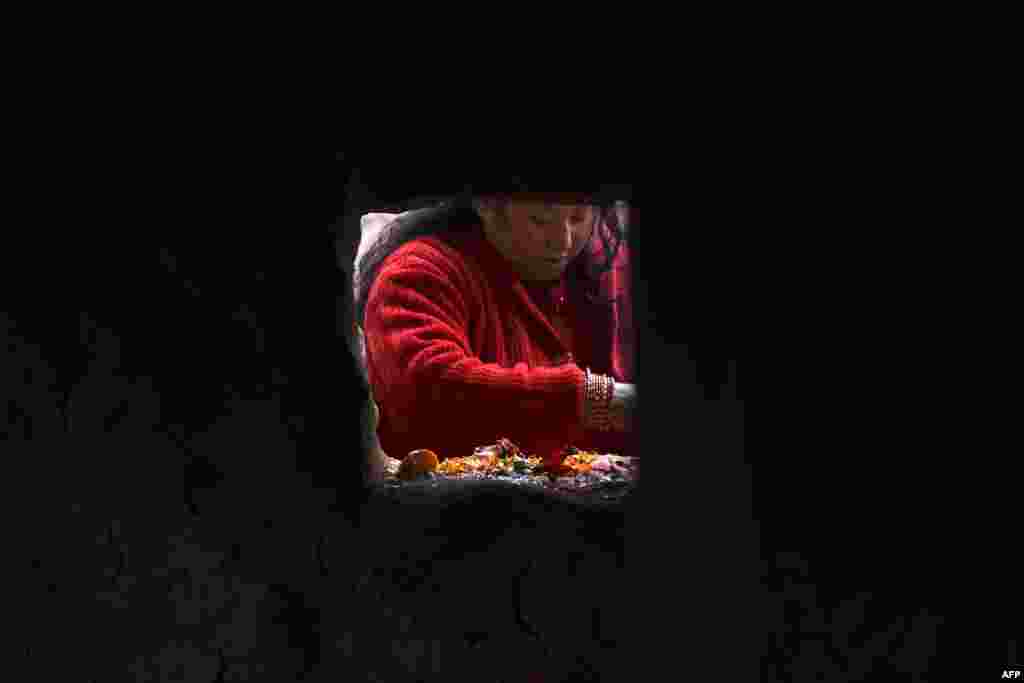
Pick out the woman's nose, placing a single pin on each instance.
(561, 238)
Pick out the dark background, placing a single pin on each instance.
(205, 511)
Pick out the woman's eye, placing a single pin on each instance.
(572, 219)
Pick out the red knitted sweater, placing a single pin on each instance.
(460, 352)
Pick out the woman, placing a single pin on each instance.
(500, 316)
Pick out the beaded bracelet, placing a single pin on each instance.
(606, 400)
(588, 397)
(598, 394)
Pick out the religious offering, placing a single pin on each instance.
(503, 460)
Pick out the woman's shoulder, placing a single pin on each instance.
(445, 256)
(431, 249)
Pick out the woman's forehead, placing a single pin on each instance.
(550, 201)
(551, 198)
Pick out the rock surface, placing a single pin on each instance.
(482, 580)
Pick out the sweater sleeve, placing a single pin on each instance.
(417, 328)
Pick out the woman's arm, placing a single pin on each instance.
(417, 324)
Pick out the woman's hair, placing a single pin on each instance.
(458, 215)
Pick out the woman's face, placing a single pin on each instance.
(540, 238)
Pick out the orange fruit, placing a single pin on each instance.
(418, 462)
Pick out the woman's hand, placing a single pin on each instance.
(380, 464)
(623, 407)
